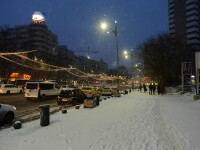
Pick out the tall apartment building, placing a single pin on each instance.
(36, 37)
(184, 23)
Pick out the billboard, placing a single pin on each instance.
(38, 17)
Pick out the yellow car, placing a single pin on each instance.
(108, 91)
(91, 90)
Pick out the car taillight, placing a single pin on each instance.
(38, 89)
(2, 89)
(24, 88)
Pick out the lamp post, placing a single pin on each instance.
(105, 26)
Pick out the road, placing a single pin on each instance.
(22, 104)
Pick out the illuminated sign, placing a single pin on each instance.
(38, 17)
(14, 75)
(26, 76)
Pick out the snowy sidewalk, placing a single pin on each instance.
(135, 121)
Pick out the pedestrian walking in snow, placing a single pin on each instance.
(154, 88)
(150, 89)
(145, 88)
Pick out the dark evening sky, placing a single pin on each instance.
(76, 22)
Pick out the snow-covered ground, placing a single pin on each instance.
(135, 121)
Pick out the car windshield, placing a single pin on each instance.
(32, 86)
(65, 93)
(64, 86)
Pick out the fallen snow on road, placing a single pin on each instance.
(135, 121)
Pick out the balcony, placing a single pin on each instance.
(193, 41)
(192, 12)
(196, 18)
(192, 6)
(194, 29)
(171, 21)
(190, 1)
(194, 23)
(172, 31)
(193, 35)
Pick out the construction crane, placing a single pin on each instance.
(88, 52)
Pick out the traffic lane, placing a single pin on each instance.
(22, 104)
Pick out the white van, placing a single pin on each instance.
(9, 89)
(41, 90)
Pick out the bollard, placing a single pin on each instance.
(17, 125)
(97, 100)
(44, 115)
(64, 111)
(130, 91)
(77, 106)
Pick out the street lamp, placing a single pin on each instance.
(104, 26)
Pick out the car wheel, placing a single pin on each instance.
(8, 118)
(8, 92)
(20, 92)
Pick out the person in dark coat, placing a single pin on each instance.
(150, 89)
(145, 88)
(154, 88)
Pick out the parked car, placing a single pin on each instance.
(71, 95)
(66, 87)
(92, 90)
(62, 87)
(41, 90)
(10, 89)
(7, 114)
(108, 91)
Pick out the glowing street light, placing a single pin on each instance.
(104, 25)
(136, 65)
(126, 57)
(125, 52)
